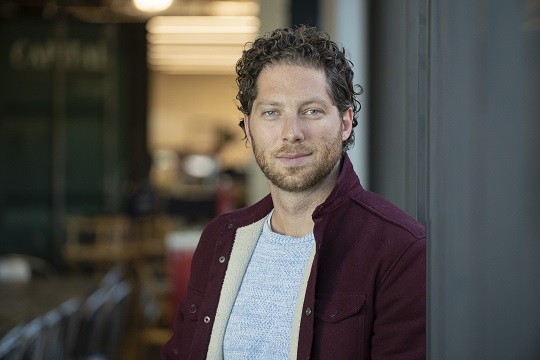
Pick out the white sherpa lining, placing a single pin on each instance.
(244, 245)
(299, 309)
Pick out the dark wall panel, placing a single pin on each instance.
(72, 125)
(484, 144)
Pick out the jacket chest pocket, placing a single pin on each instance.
(339, 326)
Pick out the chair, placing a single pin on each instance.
(32, 340)
(153, 315)
(51, 336)
(46, 337)
(112, 277)
(91, 326)
(11, 344)
(103, 318)
(70, 311)
(97, 243)
(118, 308)
(149, 233)
(40, 339)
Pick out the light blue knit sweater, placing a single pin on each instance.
(260, 324)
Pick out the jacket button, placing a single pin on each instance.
(334, 312)
(206, 319)
(308, 311)
(222, 259)
(230, 226)
(193, 308)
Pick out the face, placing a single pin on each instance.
(295, 130)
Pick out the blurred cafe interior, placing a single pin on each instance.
(119, 141)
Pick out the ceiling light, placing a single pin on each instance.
(198, 44)
(152, 5)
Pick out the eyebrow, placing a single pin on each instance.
(316, 99)
(313, 100)
(268, 103)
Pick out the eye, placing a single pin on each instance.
(313, 112)
(270, 113)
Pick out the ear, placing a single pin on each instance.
(246, 127)
(346, 121)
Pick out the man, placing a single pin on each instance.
(320, 268)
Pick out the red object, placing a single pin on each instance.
(224, 195)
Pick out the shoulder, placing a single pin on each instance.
(365, 208)
(376, 208)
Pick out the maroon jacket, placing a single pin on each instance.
(365, 296)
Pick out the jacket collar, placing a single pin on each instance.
(347, 185)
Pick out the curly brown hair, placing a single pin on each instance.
(304, 46)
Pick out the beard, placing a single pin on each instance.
(305, 176)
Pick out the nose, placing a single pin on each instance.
(292, 130)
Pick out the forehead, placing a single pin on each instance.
(291, 81)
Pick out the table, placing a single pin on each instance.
(22, 302)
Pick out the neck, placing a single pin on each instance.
(293, 210)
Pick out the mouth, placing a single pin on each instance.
(293, 159)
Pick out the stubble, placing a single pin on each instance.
(305, 176)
